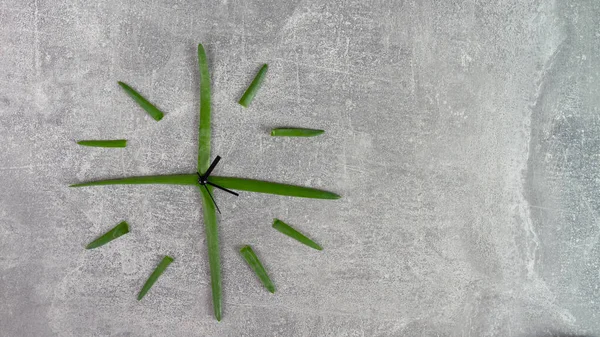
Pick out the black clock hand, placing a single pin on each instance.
(203, 180)
(211, 198)
(222, 188)
(212, 166)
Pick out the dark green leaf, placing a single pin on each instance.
(117, 231)
(291, 232)
(166, 261)
(150, 109)
(254, 263)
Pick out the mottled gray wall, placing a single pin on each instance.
(461, 134)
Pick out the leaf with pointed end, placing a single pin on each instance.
(117, 231)
(254, 263)
(214, 257)
(171, 179)
(150, 109)
(166, 261)
(271, 188)
(210, 214)
(294, 234)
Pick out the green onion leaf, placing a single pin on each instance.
(117, 231)
(204, 127)
(104, 143)
(214, 258)
(254, 86)
(295, 132)
(259, 270)
(166, 261)
(271, 188)
(294, 234)
(210, 214)
(150, 109)
(172, 179)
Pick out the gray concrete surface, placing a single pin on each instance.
(463, 136)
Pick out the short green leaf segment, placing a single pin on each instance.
(294, 234)
(254, 86)
(210, 216)
(150, 109)
(254, 263)
(104, 143)
(295, 132)
(117, 231)
(166, 261)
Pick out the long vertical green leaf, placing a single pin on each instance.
(212, 241)
(210, 214)
(170, 179)
(166, 261)
(294, 234)
(117, 231)
(254, 263)
(204, 127)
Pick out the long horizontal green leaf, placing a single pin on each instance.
(294, 234)
(295, 132)
(104, 143)
(173, 179)
(166, 261)
(150, 109)
(241, 184)
(271, 188)
(117, 231)
(248, 96)
(254, 263)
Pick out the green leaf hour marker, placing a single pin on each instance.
(295, 132)
(104, 143)
(166, 261)
(150, 109)
(294, 234)
(117, 231)
(254, 86)
(254, 263)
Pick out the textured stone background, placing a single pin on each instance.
(463, 136)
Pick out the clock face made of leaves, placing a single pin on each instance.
(207, 184)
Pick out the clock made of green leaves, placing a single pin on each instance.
(207, 183)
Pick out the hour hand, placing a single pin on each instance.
(212, 166)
